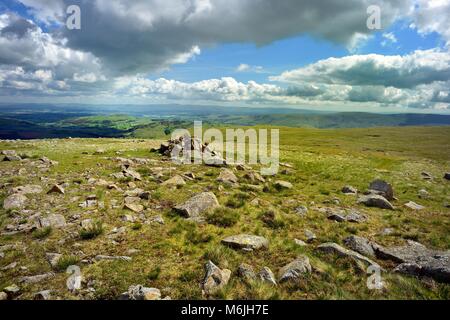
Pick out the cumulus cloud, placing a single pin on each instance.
(432, 16)
(24, 44)
(153, 34)
(408, 71)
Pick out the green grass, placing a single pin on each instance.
(172, 256)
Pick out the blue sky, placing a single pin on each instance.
(318, 55)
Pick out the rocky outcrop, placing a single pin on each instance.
(334, 248)
(416, 259)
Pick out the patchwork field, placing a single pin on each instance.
(122, 230)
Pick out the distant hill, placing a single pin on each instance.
(31, 121)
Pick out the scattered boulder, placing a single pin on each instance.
(280, 185)
(246, 242)
(215, 278)
(418, 260)
(197, 205)
(174, 181)
(266, 275)
(360, 245)
(310, 236)
(380, 187)
(300, 243)
(334, 248)
(245, 271)
(53, 259)
(140, 292)
(101, 257)
(12, 158)
(376, 201)
(42, 295)
(15, 201)
(37, 278)
(56, 189)
(349, 190)
(423, 194)
(227, 176)
(12, 290)
(414, 206)
(301, 210)
(134, 207)
(426, 175)
(295, 270)
(56, 221)
(28, 189)
(129, 173)
(355, 217)
(447, 176)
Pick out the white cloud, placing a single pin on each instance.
(389, 38)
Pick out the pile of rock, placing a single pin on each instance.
(186, 150)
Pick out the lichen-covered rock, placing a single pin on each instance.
(15, 201)
(360, 245)
(295, 270)
(174, 181)
(382, 188)
(215, 278)
(197, 205)
(246, 241)
(283, 185)
(227, 176)
(377, 201)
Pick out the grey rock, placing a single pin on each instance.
(43, 295)
(110, 258)
(246, 241)
(376, 201)
(349, 190)
(414, 206)
(3, 296)
(56, 189)
(12, 158)
(215, 278)
(310, 236)
(336, 217)
(426, 175)
(355, 217)
(360, 245)
(227, 176)
(382, 188)
(197, 205)
(433, 263)
(37, 278)
(28, 189)
(300, 243)
(283, 185)
(139, 292)
(447, 176)
(295, 270)
(53, 259)
(12, 290)
(246, 272)
(266, 275)
(15, 201)
(423, 194)
(334, 248)
(174, 181)
(301, 210)
(56, 221)
(134, 207)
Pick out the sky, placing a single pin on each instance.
(305, 54)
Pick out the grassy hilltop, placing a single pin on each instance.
(171, 256)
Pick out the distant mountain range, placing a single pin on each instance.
(30, 121)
